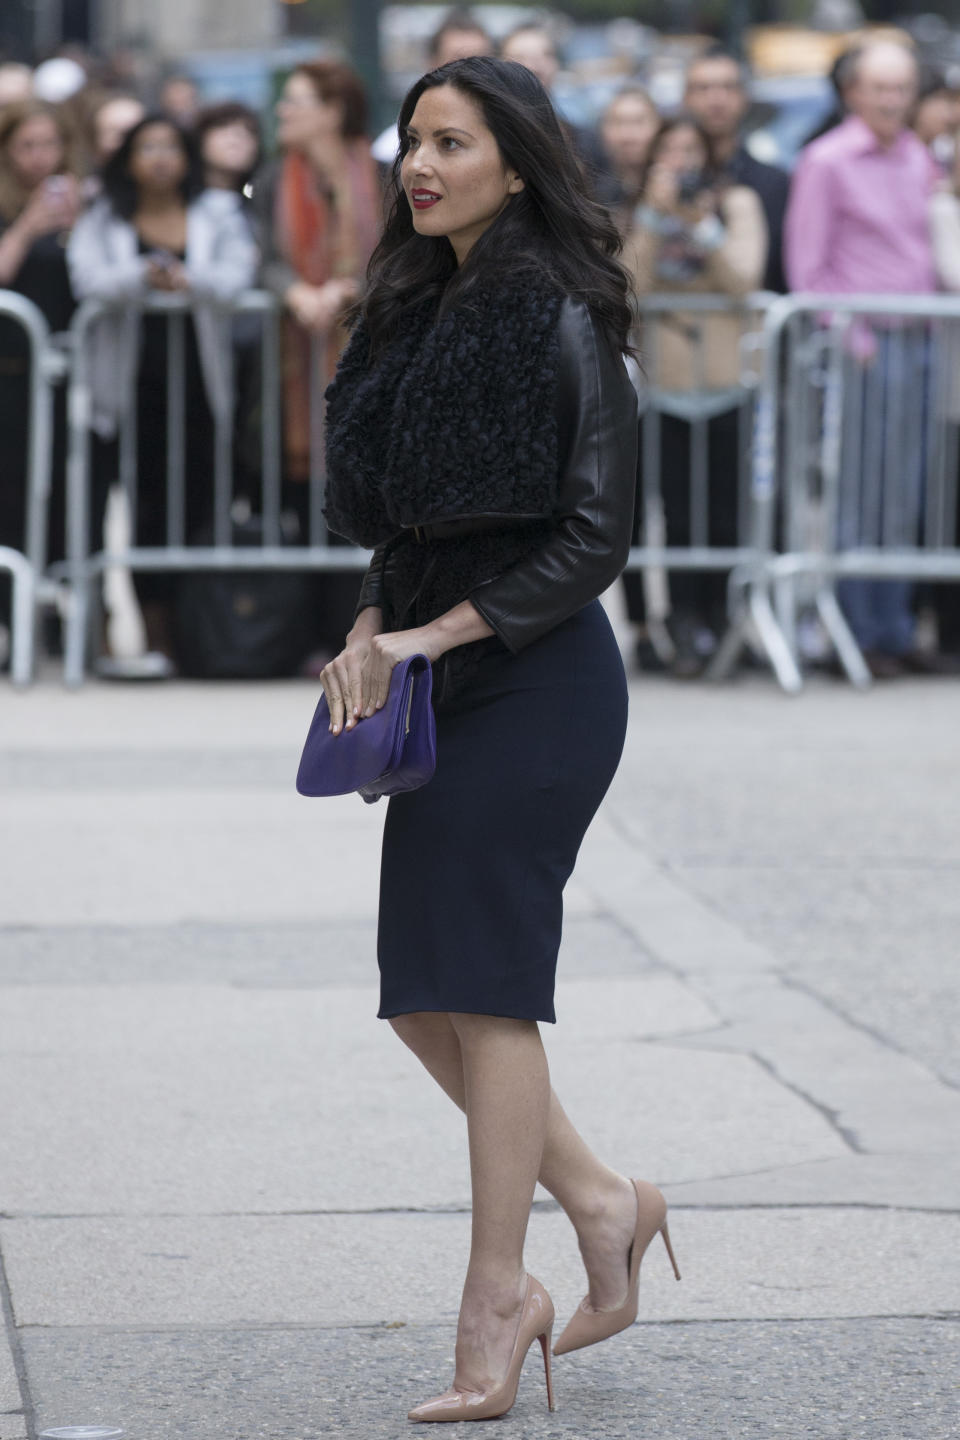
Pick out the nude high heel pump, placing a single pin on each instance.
(536, 1323)
(588, 1326)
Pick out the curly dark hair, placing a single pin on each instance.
(550, 229)
(119, 186)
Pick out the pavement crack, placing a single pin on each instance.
(16, 1352)
(832, 1117)
(888, 1043)
(539, 1207)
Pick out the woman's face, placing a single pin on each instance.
(453, 174)
(628, 129)
(113, 123)
(682, 150)
(232, 148)
(35, 151)
(157, 161)
(304, 118)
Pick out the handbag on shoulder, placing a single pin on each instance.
(393, 750)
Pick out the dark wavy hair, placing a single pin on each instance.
(119, 186)
(551, 229)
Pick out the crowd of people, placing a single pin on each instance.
(109, 193)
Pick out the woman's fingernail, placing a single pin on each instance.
(335, 729)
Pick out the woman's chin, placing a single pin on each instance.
(425, 224)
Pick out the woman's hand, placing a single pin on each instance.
(317, 307)
(167, 277)
(357, 682)
(662, 189)
(703, 204)
(54, 205)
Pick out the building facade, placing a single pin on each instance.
(177, 27)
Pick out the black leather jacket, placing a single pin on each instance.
(597, 419)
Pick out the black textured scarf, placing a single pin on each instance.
(455, 418)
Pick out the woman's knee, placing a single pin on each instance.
(422, 1028)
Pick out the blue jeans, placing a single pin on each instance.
(882, 480)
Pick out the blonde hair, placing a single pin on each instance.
(13, 193)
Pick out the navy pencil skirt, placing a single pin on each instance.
(474, 863)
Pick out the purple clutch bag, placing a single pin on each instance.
(392, 750)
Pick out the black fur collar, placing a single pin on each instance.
(456, 418)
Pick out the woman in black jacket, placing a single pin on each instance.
(481, 436)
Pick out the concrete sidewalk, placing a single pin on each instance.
(232, 1206)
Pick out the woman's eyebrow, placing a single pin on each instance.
(444, 130)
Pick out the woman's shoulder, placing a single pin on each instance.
(98, 217)
(580, 330)
(217, 203)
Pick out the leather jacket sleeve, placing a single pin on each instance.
(598, 421)
(371, 587)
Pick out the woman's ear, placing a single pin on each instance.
(515, 185)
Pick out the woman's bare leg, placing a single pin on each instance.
(507, 1092)
(600, 1203)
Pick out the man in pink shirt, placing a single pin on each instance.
(858, 221)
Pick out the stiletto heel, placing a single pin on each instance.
(588, 1326)
(666, 1240)
(536, 1323)
(545, 1340)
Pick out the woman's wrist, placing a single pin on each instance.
(460, 626)
(369, 622)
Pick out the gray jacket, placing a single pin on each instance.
(221, 262)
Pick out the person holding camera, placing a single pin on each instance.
(694, 234)
(156, 229)
(39, 202)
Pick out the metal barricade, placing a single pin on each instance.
(704, 395)
(867, 451)
(656, 555)
(26, 567)
(85, 564)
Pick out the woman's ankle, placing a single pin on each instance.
(494, 1289)
(601, 1201)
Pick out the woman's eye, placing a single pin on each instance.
(449, 140)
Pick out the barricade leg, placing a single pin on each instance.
(848, 651)
(772, 637)
(75, 630)
(22, 615)
(734, 639)
(22, 627)
(729, 650)
(785, 608)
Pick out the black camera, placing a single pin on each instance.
(690, 186)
